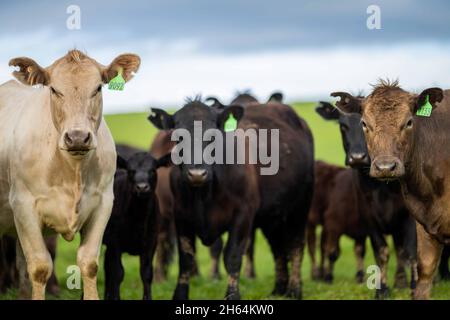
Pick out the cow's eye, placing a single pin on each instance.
(343, 127)
(363, 124)
(409, 124)
(97, 91)
(55, 92)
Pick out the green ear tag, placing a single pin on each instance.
(425, 109)
(230, 123)
(118, 82)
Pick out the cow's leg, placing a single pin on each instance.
(24, 281)
(429, 252)
(250, 254)
(164, 251)
(360, 252)
(401, 280)
(215, 251)
(294, 289)
(238, 236)
(38, 260)
(323, 236)
(234, 251)
(146, 257)
(444, 272)
(185, 239)
(114, 272)
(410, 245)
(146, 271)
(195, 269)
(381, 253)
(52, 284)
(91, 241)
(280, 257)
(332, 252)
(311, 241)
(8, 265)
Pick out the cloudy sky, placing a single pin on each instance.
(307, 49)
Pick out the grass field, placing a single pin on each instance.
(135, 129)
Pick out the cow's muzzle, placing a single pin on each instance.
(78, 142)
(387, 168)
(356, 159)
(197, 177)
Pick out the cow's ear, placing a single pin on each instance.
(164, 161)
(276, 97)
(236, 111)
(161, 119)
(347, 102)
(121, 163)
(434, 96)
(29, 73)
(127, 64)
(327, 111)
(215, 103)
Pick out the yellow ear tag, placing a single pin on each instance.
(118, 82)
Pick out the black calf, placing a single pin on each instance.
(133, 225)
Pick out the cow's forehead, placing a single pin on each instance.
(75, 70)
(142, 161)
(195, 111)
(389, 107)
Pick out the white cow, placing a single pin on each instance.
(57, 160)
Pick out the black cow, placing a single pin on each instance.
(286, 196)
(209, 199)
(381, 203)
(133, 225)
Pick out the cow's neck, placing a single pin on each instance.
(425, 172)
(73, 171)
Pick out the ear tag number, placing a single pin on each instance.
(425, 109)
(118, 82)
(230, 123)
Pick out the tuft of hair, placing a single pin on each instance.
(387, 94)
(75, 56)
(245, 91)
(384, 85)
(194, 99)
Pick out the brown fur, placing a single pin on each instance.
(422, 163)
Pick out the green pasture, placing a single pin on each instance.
(135, 129)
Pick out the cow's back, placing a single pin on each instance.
(296, 158)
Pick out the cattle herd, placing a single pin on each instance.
(61, 173)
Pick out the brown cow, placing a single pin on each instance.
(412, 148)
(324, 174)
